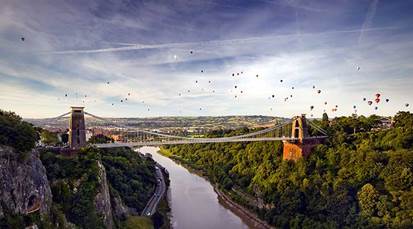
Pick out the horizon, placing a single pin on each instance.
(176, 58)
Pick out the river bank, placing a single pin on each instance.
(250, 218)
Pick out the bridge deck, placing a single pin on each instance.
(198, 141)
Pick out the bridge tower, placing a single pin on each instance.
(300, 145)
(77, 132)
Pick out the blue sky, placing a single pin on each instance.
(144, 48)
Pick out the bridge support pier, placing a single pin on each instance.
(301, 145)
(77, 132)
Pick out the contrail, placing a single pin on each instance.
(369, 18)
(212, 43)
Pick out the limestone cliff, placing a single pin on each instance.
(24, 188)
(102, 199)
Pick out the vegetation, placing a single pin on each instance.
(100, 139)
(75, 183)
(48, 138)
(131, 176)
(362, 177)
(138, 222)
(16, 133)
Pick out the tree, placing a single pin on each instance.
(49, 138)
(16, 133)
(100, 139)
(368, 197)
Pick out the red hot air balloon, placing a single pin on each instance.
(378, 95)
(377, 100)
(370, 102)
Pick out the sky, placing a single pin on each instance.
(172, 58)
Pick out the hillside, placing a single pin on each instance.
(361, 177)
(91, 189)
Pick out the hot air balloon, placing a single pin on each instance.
(233, 74)
(22, 38)
(364, 99)
(257, 75)
(209, 81)
(65, 95)
(292, 88)
(325, 103)
(196, 81)
(387, 100)
(291, 96)
(237, 73)
(107, 82)
(370, 102)
(313, 87)
(375, 108)
(121, 101)
(241, 92)
(406, 104)
(128, 94)
(202, 70)
(281, 81)
(377, 100)
(319, 91)
(113, 104)
(311, 107)
(377, 95)
(273, 96)
(336, 106)
(354, 107)
(235, 86)
(191, 52)
(242, 72)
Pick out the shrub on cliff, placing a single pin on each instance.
(16, 133)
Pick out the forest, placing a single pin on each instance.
(361, 177)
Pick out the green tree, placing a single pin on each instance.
(100, 139)
(49, 138)
(16, 133)
(368, 198)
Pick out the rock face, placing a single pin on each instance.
(119, 209)
(102, 199)
(24, 188)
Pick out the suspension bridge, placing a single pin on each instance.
(293, 133)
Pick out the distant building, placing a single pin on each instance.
(386, 123)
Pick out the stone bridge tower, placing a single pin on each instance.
(300, 145)
(77, 132)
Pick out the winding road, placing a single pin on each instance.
(153, 202)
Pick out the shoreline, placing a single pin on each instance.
(248, 217)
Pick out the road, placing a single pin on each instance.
(160, 189)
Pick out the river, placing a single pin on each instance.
(193, 201)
